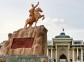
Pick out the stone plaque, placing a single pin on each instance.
(22, 43)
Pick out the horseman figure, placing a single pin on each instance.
(34, 15)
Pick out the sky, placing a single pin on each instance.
(67, 14)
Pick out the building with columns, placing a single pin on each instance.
(63, 48)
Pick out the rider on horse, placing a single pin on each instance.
(32, 10)
(34, 15)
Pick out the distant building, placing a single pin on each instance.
(63, 48)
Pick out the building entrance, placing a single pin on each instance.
(63, 58)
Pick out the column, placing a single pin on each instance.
(73, 55)
(77, 54)
(56, 53)
(51, 53)
(68, 54)
(47, 51)
(81, 55)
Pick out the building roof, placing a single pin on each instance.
(62, 35)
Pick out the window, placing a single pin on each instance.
(77, 42)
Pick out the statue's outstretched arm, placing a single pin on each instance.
(36, 5)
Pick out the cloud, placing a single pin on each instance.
(48, 22)
(55, 26)
(59, 22)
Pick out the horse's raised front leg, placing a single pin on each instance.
(43, 17)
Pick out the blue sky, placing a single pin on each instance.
(68, 14)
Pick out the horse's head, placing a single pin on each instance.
(39, 9)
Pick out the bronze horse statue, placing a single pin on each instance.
(34, 18)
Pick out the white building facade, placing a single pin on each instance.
(63, 48)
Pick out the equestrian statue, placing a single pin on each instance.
(34, 16)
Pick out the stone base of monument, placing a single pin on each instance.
(25, 58)
(26, 45)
